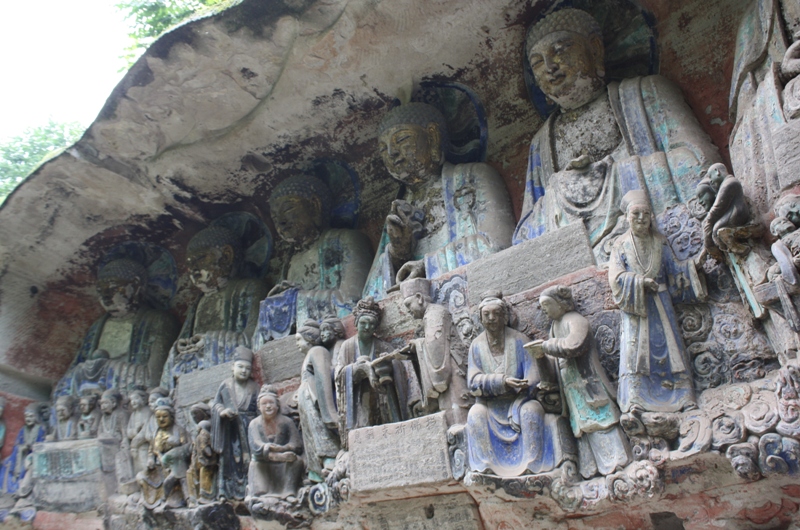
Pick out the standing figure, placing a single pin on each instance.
(140, 443)
(139, 418)
(163, 481)
(590, 396)
(225, 315)
(14, 468)
(654, 370)
(508, 432)
(66, 424)
(331, 335)
(372, 387)
(113, 419)
(276, 467)
(233, 408)
(444, 386)
(89, 420)
(327, 271)
(451, 215)
(316, 402)
(603, 140)
(202, 472)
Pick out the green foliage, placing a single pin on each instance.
(20, 155)
(150, 18)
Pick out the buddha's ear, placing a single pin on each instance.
(435, 141)
(598, 54)
(315, 203)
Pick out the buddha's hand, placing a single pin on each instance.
(790, 66)
(403, 225)
(516, 384)
(411, 269)
(193, 344)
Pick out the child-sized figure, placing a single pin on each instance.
(201, 476)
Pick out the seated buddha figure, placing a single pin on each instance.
(329, 266)
(452, 214)
(603, 140)
(134, 337)
(226, 312)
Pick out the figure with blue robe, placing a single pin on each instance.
(451, 214)
(14, 468)
(603, 140)
(655, 372)
(508, 431)
(326, 272)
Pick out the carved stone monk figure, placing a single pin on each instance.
(226, 313)
(603, 141)
(433, 230)
(444, 386)
(328, 269)
(13, 470)
(113, 418)
(233, 408)
(89, 419)
(136, 336)
(66, 425)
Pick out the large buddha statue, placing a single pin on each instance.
(451, 215)
(132, 335)
(328, 269)
(603, 140)
(226, 312)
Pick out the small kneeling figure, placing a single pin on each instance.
(276, 468)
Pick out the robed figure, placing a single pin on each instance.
(233, 408)
(654, 370)
(508, 431)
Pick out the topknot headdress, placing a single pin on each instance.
(367, 306)
(414, 113)
(569, 19)
(306, 187)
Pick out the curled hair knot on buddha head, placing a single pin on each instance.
(569, 19)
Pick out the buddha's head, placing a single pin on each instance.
(412, 142)
(300, 207)
(565, 51)
(120, 286)
(367, 317)
(212, 258)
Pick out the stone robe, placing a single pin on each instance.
(329, 277)
(663, 151)
(509, 433)
(138, 347)
(460, 227)
(316, 403)
(226, 319)
(590, 396)
(229, 436)
(654, 369)
(275, 479)
(360, 404)
(169, 447)
(13, 468)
